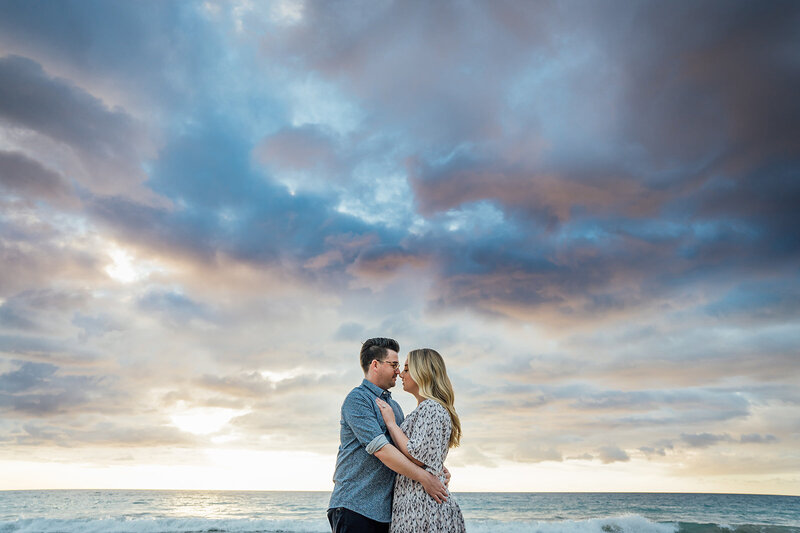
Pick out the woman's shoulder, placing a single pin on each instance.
(432, 407)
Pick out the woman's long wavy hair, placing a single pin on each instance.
(427, 369)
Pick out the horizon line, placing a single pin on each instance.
(455, 492)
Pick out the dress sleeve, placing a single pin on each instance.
(430, 434)
(358, 413)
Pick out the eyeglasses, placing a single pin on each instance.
(395, 364)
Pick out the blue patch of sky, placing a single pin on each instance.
(476, 219)
(652, 230)
(724, 229)
(249, 104)
(757, 298)
(583, 231)
(208, 165)
(321, 103)
(378, 194)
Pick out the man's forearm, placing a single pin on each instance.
(401, 443)
(394, 459)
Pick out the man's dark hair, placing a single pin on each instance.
(376, 349)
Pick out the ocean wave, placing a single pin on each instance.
(620, 524)
(163, 525)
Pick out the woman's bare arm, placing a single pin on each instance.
(398, 437)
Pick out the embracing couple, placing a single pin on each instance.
(378, 442)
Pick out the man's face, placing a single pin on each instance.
(388, 370)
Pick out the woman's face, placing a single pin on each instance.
(409, 385)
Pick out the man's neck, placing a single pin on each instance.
(371, 380)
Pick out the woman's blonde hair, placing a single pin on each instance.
(427, 369)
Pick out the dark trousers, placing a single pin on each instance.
(346, 521)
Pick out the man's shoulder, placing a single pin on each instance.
(358, 394)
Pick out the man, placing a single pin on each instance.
(367, 461)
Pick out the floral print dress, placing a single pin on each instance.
(428, 430)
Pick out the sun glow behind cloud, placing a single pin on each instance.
(203, 421)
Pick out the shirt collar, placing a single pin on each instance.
(377, 391)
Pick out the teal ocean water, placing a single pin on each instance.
(121, 511)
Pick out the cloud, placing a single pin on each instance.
(612, 454)
(110, 143)
(582, 457)
(34, 250)
(755, 438)
(593, 221)
(704, 440)
(618, 210)
(28, 376)
(100, 434)
(96, 325)
(44, 390)
(24, 176)
(173, 306)
(535, 453)
(350, 331)
(649, 450)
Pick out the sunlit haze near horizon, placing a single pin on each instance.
(590, 209)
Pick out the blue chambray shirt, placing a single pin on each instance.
(362, 483)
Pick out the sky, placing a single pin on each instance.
(590, 209)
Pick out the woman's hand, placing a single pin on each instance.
(386, 411)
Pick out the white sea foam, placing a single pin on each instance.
(163, 525)
(623, 524)
(620, 524)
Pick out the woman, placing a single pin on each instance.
(425, 436)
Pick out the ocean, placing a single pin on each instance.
(145, 511)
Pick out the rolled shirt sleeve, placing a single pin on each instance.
(359, 414)
(376, 444)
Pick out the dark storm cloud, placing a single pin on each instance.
(279, 228)
(223, 204)
(660, 195)
(26, 177)
(414, 51)
(657, 202)
(115, 42)
(109, 142)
